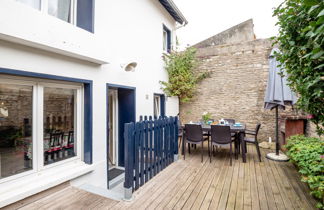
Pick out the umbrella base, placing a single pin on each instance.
(281, 157)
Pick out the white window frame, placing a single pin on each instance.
(73, 10)
(37, 123)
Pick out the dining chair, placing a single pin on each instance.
(253, 140)
(221, 136)
(194, 135)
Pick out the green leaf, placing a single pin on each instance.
(317, 55)
(321, 13)
(310, 2)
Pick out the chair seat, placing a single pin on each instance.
(252, 140)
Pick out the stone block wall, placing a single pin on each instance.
(236, 87)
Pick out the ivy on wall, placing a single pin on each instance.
(182, 77)
(301, 41)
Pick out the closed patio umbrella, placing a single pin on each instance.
(277, 96)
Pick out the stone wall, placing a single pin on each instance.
(236, 87)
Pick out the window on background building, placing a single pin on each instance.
(23, 145)
(76, 12)
(166, 39)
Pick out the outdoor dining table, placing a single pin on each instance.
(239, 130)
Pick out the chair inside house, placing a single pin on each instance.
(253, 139)
(221, 136)
(194, 136)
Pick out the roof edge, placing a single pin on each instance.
(174, 11)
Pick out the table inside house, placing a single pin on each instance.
(235, 128)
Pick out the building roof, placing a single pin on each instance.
(173, 10)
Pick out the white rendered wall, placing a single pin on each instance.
(126, 30)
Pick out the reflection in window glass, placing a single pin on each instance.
(16, 106)
(32, 3)
(60, 9)
(59, 124)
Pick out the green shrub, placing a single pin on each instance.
(308, 154)
(182, 77)
(301, 42)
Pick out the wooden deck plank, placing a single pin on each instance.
(226, 188)
(300, 188)
(289, 189)
(233, 189)
(219, 171)
(239, 202)
(267, 187)
(212, 198)
(253, 181)
(170, 191)
(275, 190)
(190, 184)
(247, 201)
(196, 198)
(261, 190)
(282, 189)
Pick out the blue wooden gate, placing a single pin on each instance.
(150, 146)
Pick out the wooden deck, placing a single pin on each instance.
(190, 184)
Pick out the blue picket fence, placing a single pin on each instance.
(150, 146)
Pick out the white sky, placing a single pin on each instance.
(209, 17)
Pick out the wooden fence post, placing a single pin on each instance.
(129, 160)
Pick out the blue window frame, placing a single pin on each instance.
(85, 15)
(166, 39)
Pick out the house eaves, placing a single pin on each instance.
(173, 10)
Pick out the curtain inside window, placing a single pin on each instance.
(60, 9)
(32, 3)
(157, 106)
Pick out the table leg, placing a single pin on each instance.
(241, 137)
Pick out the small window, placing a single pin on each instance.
(157, 105)
(166, 40)
(32, 3)
(60, 9)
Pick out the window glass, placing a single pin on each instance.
(165, 41)
(60, 9)
(32, 3)
(16, 111)
(156, 106)
(59, 124)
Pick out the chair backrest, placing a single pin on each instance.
(230, 121)
(193, 132)
(257, 128)
(221, 134)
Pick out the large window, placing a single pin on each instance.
(77, 12)
(39, 125)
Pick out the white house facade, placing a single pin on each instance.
(72, 72)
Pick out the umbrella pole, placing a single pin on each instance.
(277, 132)
(277, 156)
